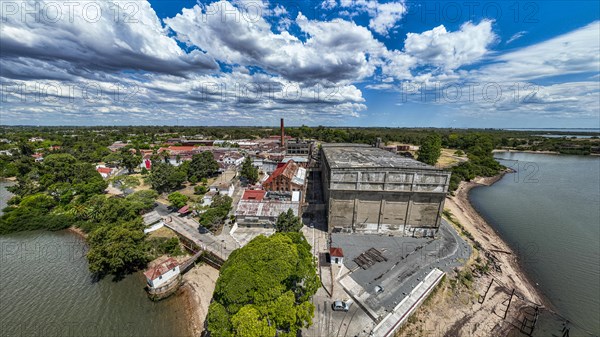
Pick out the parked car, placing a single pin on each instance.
(340, 306)
(378, 289)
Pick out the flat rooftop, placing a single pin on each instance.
(265, 208)
(365, 156)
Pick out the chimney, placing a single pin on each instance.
(282, 134)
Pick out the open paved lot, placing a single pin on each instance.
(409, 261)
(244, 235)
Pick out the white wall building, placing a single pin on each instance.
(223, 188)
(162, 274)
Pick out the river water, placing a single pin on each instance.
(46, 290)
(549, 212)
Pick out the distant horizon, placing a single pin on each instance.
(587, 129)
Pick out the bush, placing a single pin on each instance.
(177, 199)
(200, 189)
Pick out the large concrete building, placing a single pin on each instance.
(370, 190)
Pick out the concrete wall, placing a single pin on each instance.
(383, 212)
(383, 200)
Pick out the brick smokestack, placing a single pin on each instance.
(282, 133)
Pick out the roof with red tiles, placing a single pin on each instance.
(287, 170)
(258, 195)
(337, 252)
(161, 269)
(106, 170)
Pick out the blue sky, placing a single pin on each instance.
(392, 63)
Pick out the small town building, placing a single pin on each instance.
(298, 148)
(257, 195)
(287, 177)
(104, 171)
(162, 274)
(38, 157)
(208, 197)
(223, 188)
(337, 255)
(184, 210)
(301, 161)
(262, 213)
(114, 147)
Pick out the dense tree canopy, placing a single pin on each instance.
(481, 161)
(124, 158)
(288, 222)
(117, 249)
(203, 165)
(165, 177)
(264, 288)
(430, 150)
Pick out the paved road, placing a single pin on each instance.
(221, 245)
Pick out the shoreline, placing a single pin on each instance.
(78, 232)
(524, 151)
(196, 292)
(462, 208)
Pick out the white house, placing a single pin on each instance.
(337, 255)
(223, 188)
(233, 158)
(104, 171)
(162, 274)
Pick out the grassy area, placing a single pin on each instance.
(163, 232)
(143, 186)
(449, 158)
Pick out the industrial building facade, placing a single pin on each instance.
(370, 190)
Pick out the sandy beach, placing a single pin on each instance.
(197, 290)
(461, 307)
(512, 274)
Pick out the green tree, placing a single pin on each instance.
(219, 320)
(217, 213)
(200, 189)
(264, 288)
(144, 200)
(165, 177)
(117, 249)
(203, 165)
(288, 222)
(248, 322)
(130, 161)
(177, 199)
(249, 171)
(430, 150)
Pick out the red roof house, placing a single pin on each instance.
(288, 177)
(257, 195)
(162, 273)
(337, 255)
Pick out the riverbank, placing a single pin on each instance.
(524, 151)
(197, 290)
(77, 231)
(512, 273)
(472, 300)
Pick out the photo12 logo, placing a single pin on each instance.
(67, 93)
(443, 12)
(53, 12)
